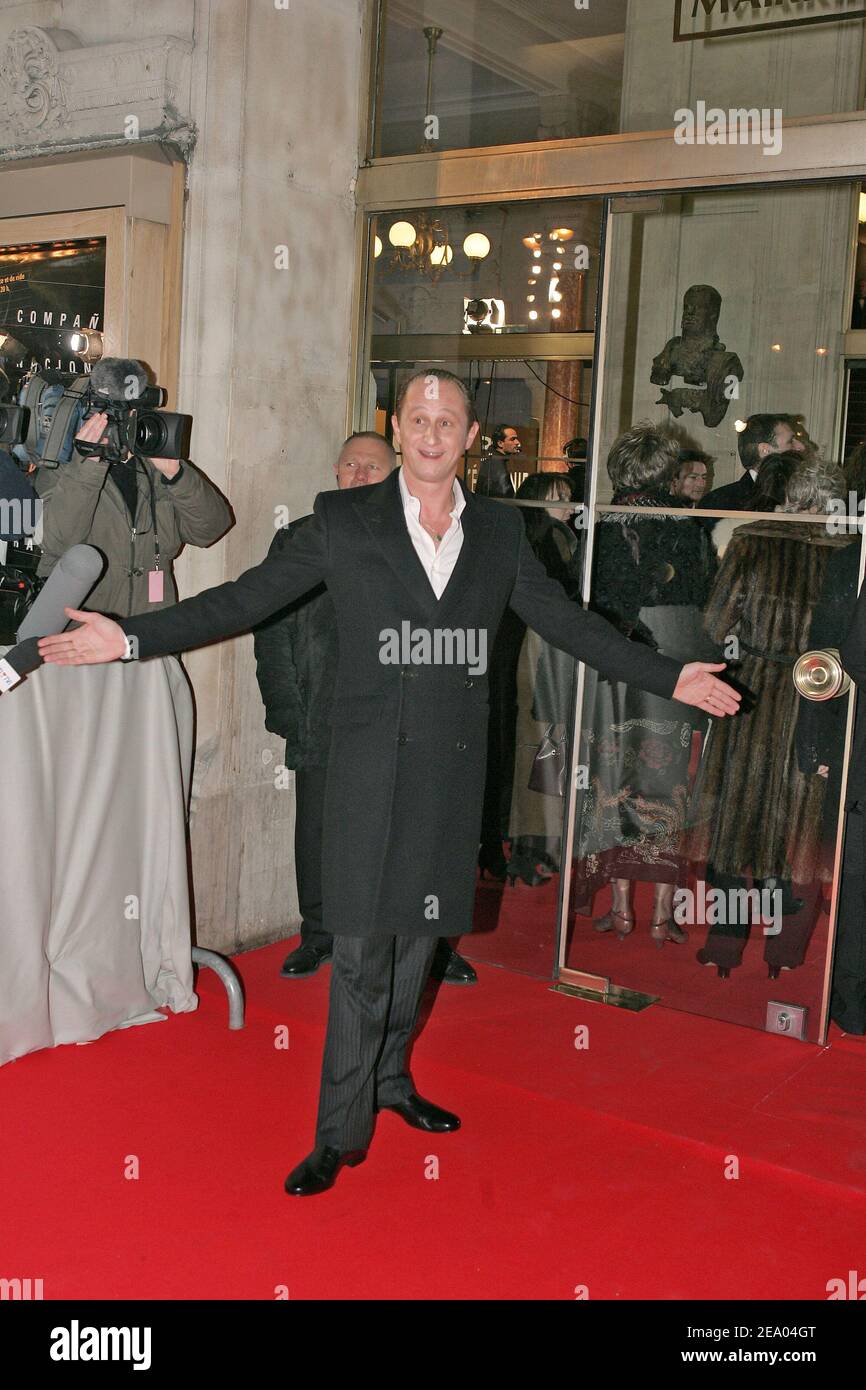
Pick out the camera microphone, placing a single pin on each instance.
(19, 662)
(119, 379)
(67, 586)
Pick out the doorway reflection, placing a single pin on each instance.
(532, 707)
(704, 849)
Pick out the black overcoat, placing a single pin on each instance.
(407, 758)
(296, 667)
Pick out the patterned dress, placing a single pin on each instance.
(652, 577)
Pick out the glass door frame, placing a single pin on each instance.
(573, 977)
(815, 149)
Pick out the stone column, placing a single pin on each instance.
(561, 398)
(265, 364)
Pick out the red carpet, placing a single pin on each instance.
(515, 927)
(602, 1167)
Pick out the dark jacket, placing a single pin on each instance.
(852, 654)
(646, 560)
(732, 497)
(20, 521)
(296, 667)
(408, 750)
(821, 723)
(494, 479)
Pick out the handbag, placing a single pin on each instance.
(547, 774)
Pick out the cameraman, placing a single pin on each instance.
(137, 512)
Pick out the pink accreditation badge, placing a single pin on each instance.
(155, 582)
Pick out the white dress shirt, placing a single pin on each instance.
(438, 564)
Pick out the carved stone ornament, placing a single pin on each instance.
(31, 93)
(56, 93)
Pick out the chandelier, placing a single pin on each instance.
(424, 245)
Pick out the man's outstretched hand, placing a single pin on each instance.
(698, 686)
(98, 639)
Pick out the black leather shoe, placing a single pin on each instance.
(304, 960)
(319, 1170)
(423, 1114)
(449, 968)
(458, 972)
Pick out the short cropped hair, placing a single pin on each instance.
(370, 434)
(498, 434)
(438, 374)
(645, 456)
(759, 429)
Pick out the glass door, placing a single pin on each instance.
(704, 853)
(505, 295)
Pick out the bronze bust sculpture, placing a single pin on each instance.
(710, 372)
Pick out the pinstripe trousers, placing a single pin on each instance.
(376, 988)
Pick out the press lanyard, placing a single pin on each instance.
(155, 577)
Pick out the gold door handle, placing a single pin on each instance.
(820, 675)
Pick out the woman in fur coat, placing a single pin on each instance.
(758, 809)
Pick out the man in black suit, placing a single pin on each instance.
(420, 573)
(296, 668)
(494, 478)
(762, 435)
(858, 310)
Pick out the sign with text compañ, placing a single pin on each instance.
(48, 291)
(714, 19)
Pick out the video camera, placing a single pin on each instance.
(52, 406)
(19, 586)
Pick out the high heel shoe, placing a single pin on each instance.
(609, 923)
(667, 930)
(492, 862)
(774, 971)
(525, 867)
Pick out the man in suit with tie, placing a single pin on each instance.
(420, 572)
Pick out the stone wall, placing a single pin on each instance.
(266, 103)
